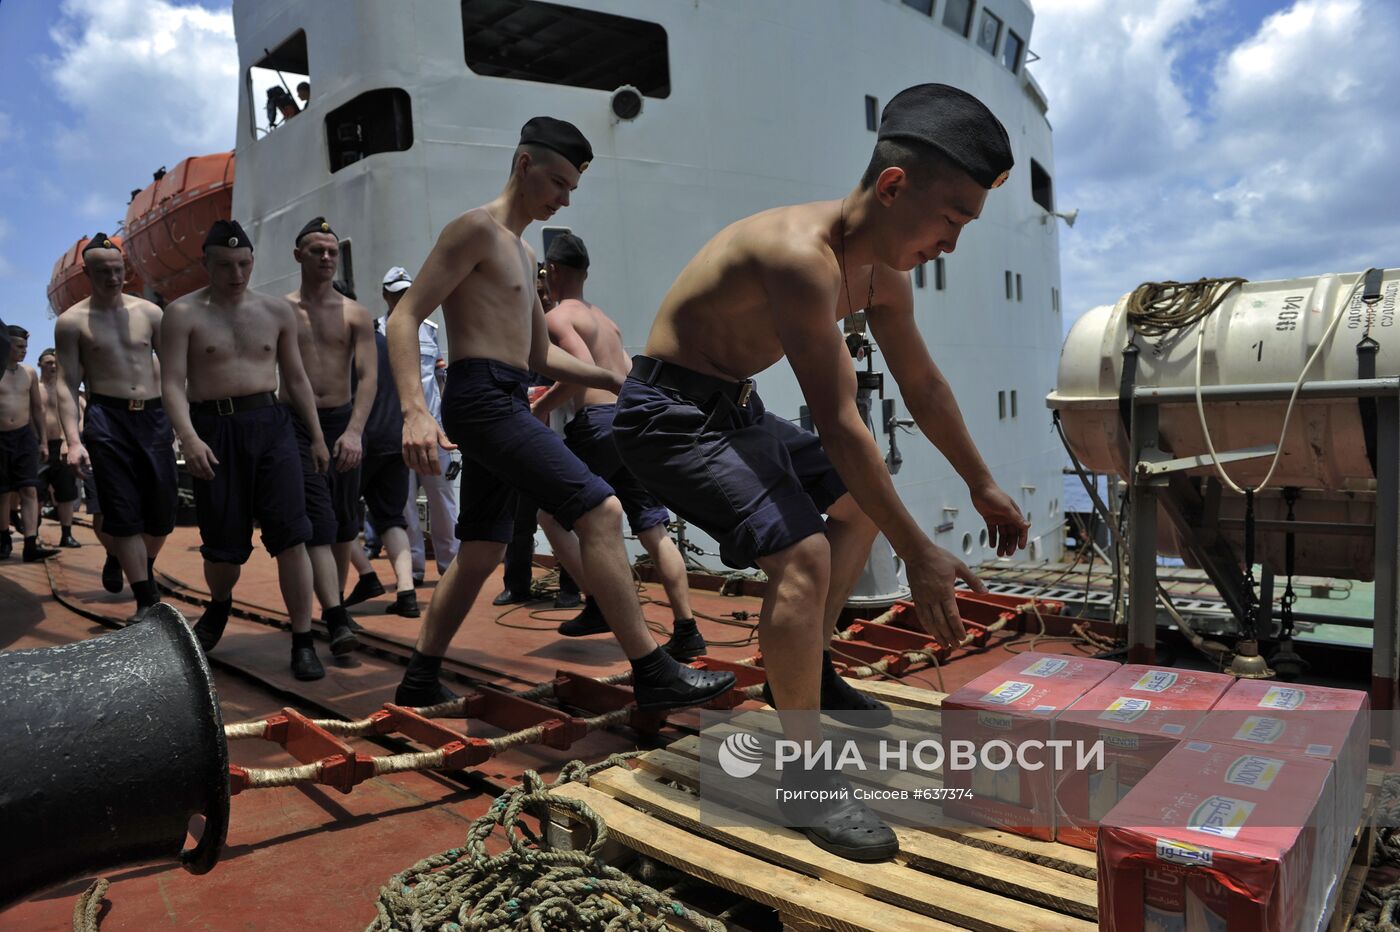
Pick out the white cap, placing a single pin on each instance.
(397, 279)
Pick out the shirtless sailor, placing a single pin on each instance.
(336, 336)
(108, 344)
(582, 330)
(482, 274)
(21, 437)
(691, 427)
(223, 348)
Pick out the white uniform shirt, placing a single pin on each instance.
(429, 352)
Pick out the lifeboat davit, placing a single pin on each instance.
(166, 223)
(69, 282)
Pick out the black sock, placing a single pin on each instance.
(683, 626)
(67, 530)
(145, 592)
(406, 596)
(151, 569)
(654, 667)
(422, 669)
(31, 540)
(303, 640)
(335, 617)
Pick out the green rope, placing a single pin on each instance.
(1158, 308)
(528, 887)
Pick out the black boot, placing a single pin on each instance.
(112, 575)
(33, 553)
(826, 811)
(210, 626)
(686, 642)
(365, 589)
(508, 595)
(660, 683)
(7, 545)
(343, 640)
(587, 622)
(305, 664)
(420, 686)
(68, 540)
(405, 605)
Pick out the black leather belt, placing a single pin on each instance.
(125, 404)
(227, 406)
(697, 386)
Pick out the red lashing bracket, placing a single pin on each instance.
(598, 698)
(510, 713)
(459, 750)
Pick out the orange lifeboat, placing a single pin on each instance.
(166, 223)
(69, 283)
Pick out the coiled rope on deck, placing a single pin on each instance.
(529, 886)
(1379, 909)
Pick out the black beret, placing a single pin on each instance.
(227, 233)
(100, 241)
(314, 225)
(568, 249)
(560, 136)
(954, 122)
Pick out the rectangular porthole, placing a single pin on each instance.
(957, 16)
(872, 113)
(1013, 402)
(1018, 286)
(376, 121)
(919, 280)
(1001, 406)
(938, 279)
(1008, 284)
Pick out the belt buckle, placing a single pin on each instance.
(745, 390)
(136, 404)
(223, 406)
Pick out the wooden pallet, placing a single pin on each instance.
(943, 878)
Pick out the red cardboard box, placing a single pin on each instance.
(1217, 838)
(1139, 714)
(1287, 719)
(1014, 702)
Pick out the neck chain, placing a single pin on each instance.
(845, 280)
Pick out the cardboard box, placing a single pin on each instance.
(1217, 838)
(1286, 719)
(1014, 702)
(1139, 714)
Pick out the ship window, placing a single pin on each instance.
(346, 277)
(1042, 188)
(548, 234)
(957, 16)
(376, 121)
(1008, 284)
(276, 84)
(1001, 406)
(530, 40)
(872, 113)
(919, 279)
(1018, 286)
(1013, 402)
(989, 31)
(1011, 51)
(923, 6)
(938, 280)
(1055, 300)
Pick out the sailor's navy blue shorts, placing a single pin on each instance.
(333, 497)
(384, 486)
(19, 459)
(589, 434)
(258, 476)
(505, 450)
(132, 451)
(713, 454)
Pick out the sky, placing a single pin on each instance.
(1195, 137)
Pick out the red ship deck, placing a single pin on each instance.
(310, 857)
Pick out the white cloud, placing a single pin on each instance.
(9, 132)
(150, 81)
(1281, 164)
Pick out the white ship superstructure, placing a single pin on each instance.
(416, 106)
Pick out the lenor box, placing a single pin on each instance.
(1015, 702)
(1314, 721)
(1217, 838)
(1138, 714)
